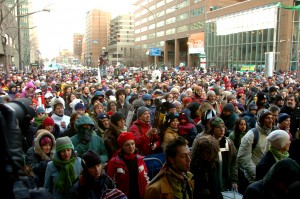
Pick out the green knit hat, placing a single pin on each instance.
(217, 122)
(63, 143)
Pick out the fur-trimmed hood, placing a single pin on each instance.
(37, 147)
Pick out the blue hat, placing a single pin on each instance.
(102, 116)
(39, 110)
(282, 117)
(98, 93)
(146, 97)
(79, 105)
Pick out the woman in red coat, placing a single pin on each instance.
(128, 169)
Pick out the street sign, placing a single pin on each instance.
(155, 52)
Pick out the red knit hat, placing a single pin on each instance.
(48, 121)
(187, 100)
(45, 140)
(124, 137)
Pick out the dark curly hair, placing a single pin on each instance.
(237, 132)
(204, 145)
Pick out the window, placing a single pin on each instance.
(152, 26)
(137, 31)
(161, 23)
(170, 20)
(197, 25)
(197, 12)
(151, 36)
(182, 16)
(161, 3)
(143, 29)
(170, 31)
(143, 38)
(182, 28)
(161, 33)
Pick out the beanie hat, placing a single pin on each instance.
(90, 158)
(216, 122)
(123, 137)
(79, 105)
(187, 100)
(170, 117)
(209, 93)
(262, 113)
(102, 116)
(146, 97)
(278, 138)
(261, 96)
(282, 117)
(48, 121)
(177, 103)
(141, 110)
(228, 108)
(45, 140)
(47, 95)
(39, 110)
(63, 143)
(117, 116)
(252, 106)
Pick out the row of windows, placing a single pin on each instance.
(193, 26)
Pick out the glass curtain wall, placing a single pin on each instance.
(232, 43)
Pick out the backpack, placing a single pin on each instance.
(256, 137)
(114, 194)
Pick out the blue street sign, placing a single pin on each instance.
(155, 52)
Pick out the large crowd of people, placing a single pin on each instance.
(215, 131)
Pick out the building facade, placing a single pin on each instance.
(77, 47)
(172, 26)
(121, 40)
(96, 35)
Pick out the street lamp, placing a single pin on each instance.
(19, 29)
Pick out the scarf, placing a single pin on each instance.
(278, 155)
(129, 156)
(66, 174)
(39, 121)
(184, 183)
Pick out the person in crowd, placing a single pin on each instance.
(261, 101)
(228, 162)
(128, 169)
(49, 125)
(86, 139)
(85, 96)
(229, 117)
(250, 115)
(40, 116)
(63, 169)
(58, 106)
(204, 166)
(38, 156)
(67, 90)
(249, 155)
(69, 101)
(71, 130)
(115, 129)
(199, 95)
(239, 130)
(111, 107)
(279, 101)
(28, 92)
(284, 122)
(103, 121)
(276, 182)
(93, 181)
(146, 137)
(48, 97)
(186, 129)
(279, 143)
(293, 109)
(212, 100)
(122, 105)
(132, 114)
(195, 112)
(174, 180)
(171, 129)
(80, 109)
(97, 109)
(275, 112)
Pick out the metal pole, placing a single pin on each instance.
(19, 35)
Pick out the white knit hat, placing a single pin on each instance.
(278, 138)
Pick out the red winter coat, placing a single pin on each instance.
(117, 170)
(142, 142)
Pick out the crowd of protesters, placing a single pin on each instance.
(238, 126)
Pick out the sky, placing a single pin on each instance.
(55, 29)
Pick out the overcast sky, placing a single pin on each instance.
(55, 29)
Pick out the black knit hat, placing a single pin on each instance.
(90, 158)
(229, 107)
(261, 96)
(117, 116)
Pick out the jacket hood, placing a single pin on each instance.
(37, 147)
(286, 171)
